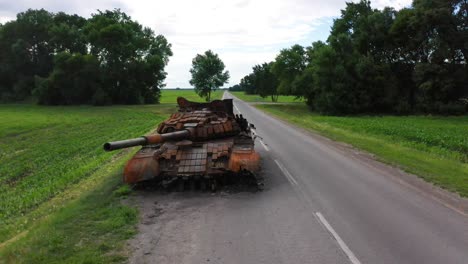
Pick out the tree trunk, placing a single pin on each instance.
(274, 98)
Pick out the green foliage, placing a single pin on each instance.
(24, 52)
(66, 33)
(265, 81)
(100, 97)
(75, 80)
(438, 86)
(247, 84)
(125, 63)
(123, 190)
(433, 147)
(207, 74)
(287, 66)
(236, 87)
(92, 228)
(132, 58)
(381, 61)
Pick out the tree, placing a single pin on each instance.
(66, 33)
(247, 84)
(235, 88)
(431, 38)
(287, 66)
(381, 61)
(265, 82)
(131, 57)
(361, 80)
(25, 51)
(207, 74)
(303, 84)
(40, 50)
(74, 80)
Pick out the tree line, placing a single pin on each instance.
(377, 61)
(57, 58)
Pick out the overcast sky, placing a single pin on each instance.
(242, 32)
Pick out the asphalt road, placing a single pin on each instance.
(322, 204)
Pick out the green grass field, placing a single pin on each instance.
(435, 148)
(257, 98)
(59, 191)
(56, 182)
(170, 96)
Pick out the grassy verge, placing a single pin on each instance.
(257, 98)
(56, 182)
(92, 228)
(435, 148)
(170, 96)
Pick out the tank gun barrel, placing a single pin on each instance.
(146, 140)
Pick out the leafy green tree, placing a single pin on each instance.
(235, 88)
(363, 80)
(265, 82)
(74, 80)
(247, 84)
(287, 66)
(412, 60)
(303, 84)
(66, 33)
(25, 52)
(431, 38)
(207, 74)
(39, 49)
(132, 58)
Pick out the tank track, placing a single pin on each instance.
(245, 179)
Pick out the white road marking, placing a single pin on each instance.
(237, 109)
(265, 146)
(286, 173)
(338, 239)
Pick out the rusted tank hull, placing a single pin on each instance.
(202, 141)
(200, 160)
(141, 167)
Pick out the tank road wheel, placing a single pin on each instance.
(180, 184)
(252, 178)
(213, 185)
(224, 180)
(203, 185)
(192, 185)
(260, 183)
(168, 182)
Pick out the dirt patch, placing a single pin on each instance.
(169, 224)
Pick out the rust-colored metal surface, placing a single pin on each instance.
(203, 142)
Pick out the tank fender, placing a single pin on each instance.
(244, 159)
(141, 167)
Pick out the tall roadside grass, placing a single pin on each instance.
(169, 96)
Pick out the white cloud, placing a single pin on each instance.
(242, 32)
(9, 8)
(397, 4)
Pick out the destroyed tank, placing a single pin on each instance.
(201, 146)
